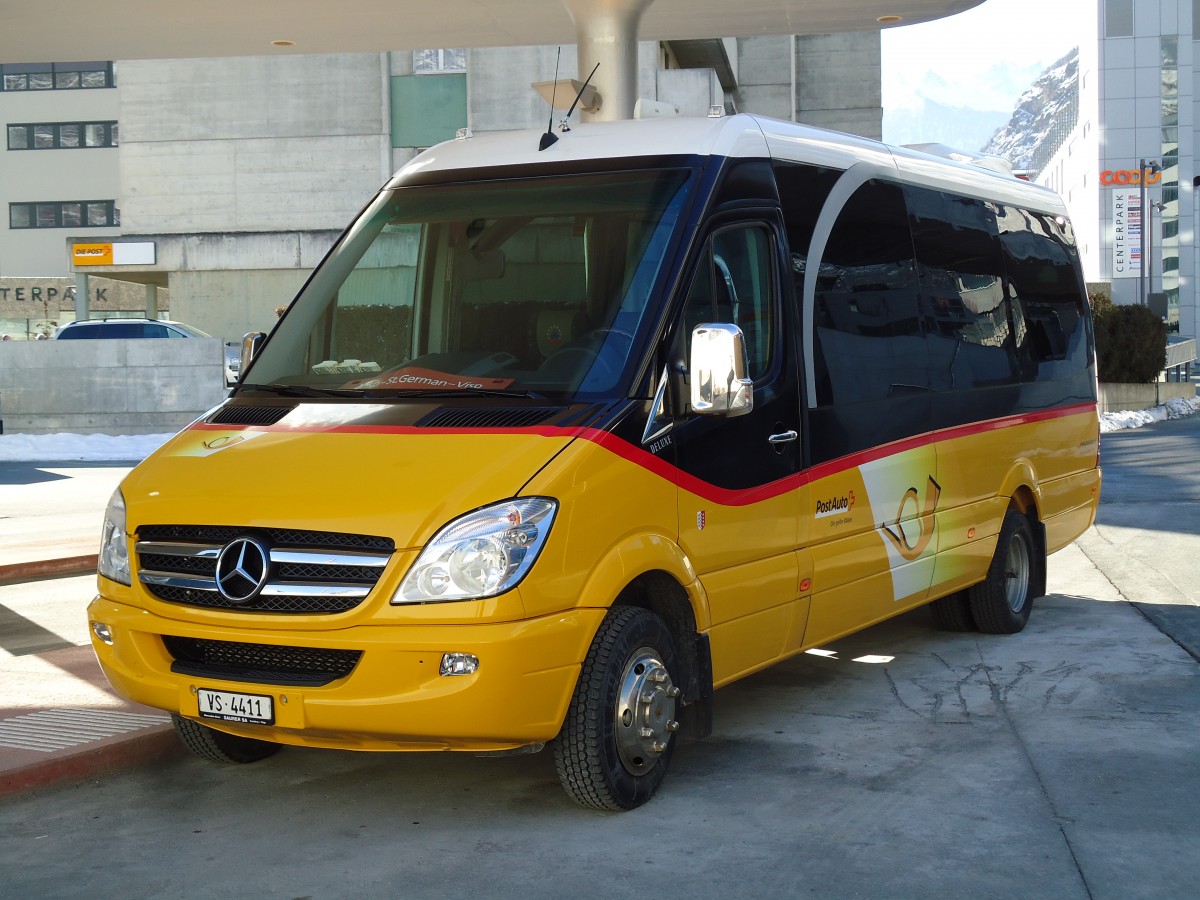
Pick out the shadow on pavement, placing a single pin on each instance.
(21, 636)
(1177, 621)
(27, 473)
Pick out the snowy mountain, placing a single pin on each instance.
(1044, 117)
(954, 126)
(922, 104)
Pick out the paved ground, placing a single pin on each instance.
(59, 721)
(1061, 763)
(53, 512)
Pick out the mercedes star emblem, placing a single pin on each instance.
(242, 569)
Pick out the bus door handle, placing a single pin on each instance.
(784, 437)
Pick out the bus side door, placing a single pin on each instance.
(739, 498)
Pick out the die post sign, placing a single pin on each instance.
(116, 253)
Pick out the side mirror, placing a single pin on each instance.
(719, 386)
(251, 343)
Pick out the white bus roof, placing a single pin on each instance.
(739, 136)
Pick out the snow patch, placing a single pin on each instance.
(1172, 409)
(86, 447)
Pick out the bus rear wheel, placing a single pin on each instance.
(619, 734)
(220, 746)
(1002, 602)
(953, 613)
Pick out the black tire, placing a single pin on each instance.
(219, 746)
(953, 613)
(619, 735)
(1002, 602)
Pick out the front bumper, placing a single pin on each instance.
(393, 699)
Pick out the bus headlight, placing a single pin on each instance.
(113, 561)
(482, 554)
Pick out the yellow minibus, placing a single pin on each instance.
(556, 442)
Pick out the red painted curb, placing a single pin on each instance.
(132, 751)
(48, 568)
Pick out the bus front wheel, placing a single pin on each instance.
(219, 746)
(1001, 603)
(619, 734)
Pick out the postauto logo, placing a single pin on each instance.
(1130, 176)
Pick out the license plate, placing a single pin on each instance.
(254, 708)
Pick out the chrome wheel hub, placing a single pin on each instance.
(645, 711)
(1016, 571)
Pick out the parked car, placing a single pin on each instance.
(92, 329)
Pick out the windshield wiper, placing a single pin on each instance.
(303, 390)
(475, 392)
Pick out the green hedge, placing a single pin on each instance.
(1131, 342)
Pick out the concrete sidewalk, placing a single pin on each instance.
(60, 723)
(59, 720)
(50, 516)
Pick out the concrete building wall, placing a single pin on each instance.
(830, 81)
(839, 82)
(764, 76)
(108, 387)
(500, 96)
(230, 283)
(255, 143)
(53, 175)
(692, 90)
(229, 304)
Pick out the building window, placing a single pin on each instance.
(451, 60)
(62, 135)
(427, 110)
(64, 214)
(1118, 18)
(69, 76)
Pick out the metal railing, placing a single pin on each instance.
(1181, 353)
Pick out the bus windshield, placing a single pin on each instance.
(540, 287)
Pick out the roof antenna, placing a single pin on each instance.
(565, 127)
(550, 137)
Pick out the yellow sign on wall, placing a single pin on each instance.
(92, 254)
(114, 253)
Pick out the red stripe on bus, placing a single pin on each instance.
(668, 471)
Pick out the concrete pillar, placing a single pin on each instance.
(81, 296)
(607, 33)
(152, 301)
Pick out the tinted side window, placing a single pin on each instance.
(966, 310)
(803, 190)
(868, 339)
(1048, 311)
(78, 332)
(151, 330)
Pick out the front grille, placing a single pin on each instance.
(259, 663)
(315, 572)
(222, 534)
(284, 604)
(310, 572)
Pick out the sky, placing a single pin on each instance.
(979, 61)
